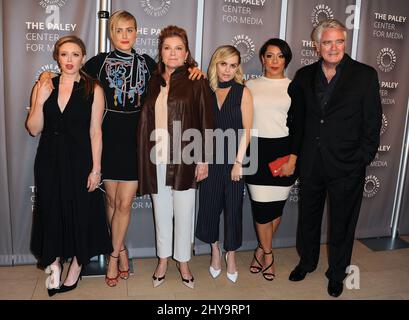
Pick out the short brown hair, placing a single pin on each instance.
(169, 32)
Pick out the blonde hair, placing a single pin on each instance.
(222, 53)
(327, 24)
(117, 16)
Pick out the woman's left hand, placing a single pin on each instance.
(196, 74)
(236, 172)
(201, 172)
(287, 169)
(94, 179)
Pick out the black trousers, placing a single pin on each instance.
(345, 198)
(219, 193)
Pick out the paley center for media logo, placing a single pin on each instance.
(321, 12)
(386, 59)
(47, 3)
(156, 8)
(371, 186)
(245, 45)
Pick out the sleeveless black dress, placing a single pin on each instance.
(68, 220)
(124, 78)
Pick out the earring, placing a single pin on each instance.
(185, 61)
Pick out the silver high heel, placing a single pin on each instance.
(231, 276)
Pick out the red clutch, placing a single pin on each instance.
(276, 164)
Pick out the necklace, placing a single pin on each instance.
(225, 84)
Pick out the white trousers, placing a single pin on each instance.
(174, 210)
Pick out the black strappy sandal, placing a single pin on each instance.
(268, 275)
(260, 266)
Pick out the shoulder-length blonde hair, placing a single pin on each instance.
(116, 17)
(222, 53)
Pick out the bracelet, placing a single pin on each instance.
(96, 173)
(237, 162)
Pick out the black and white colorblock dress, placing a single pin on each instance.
(268, 194)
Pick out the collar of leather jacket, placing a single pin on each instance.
(178, 73)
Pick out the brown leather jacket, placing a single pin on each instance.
(188, 102)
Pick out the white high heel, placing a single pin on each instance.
(231, 276)
(216, 272)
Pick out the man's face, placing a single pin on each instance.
(332, 45)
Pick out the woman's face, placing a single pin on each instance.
(174, 53)
(124, 35)
(70, 58)
(227, 68)
(274, 62)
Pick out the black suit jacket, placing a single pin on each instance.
(346, 132)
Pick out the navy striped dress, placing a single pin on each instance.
(218, 193)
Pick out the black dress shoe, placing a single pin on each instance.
(65, 288)
(297, 274)
(335, 288)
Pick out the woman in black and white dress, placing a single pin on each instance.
(277, 136)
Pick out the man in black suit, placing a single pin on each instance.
(339, 100)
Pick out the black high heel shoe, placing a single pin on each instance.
(269, 276)
(259, 267)
(55, 288)
(65, 288)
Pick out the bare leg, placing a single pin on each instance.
(265, 234)
(125, 193)
(161, 268)
(110, 188)
(231, 262)
(73, 273)
(184, 270)
(216, 261)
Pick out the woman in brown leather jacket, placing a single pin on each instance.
(172, 155)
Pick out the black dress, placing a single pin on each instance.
(68, 220)
(124, 78)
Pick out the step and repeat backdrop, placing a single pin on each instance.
(30, 29)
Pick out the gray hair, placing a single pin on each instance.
(326, 24)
